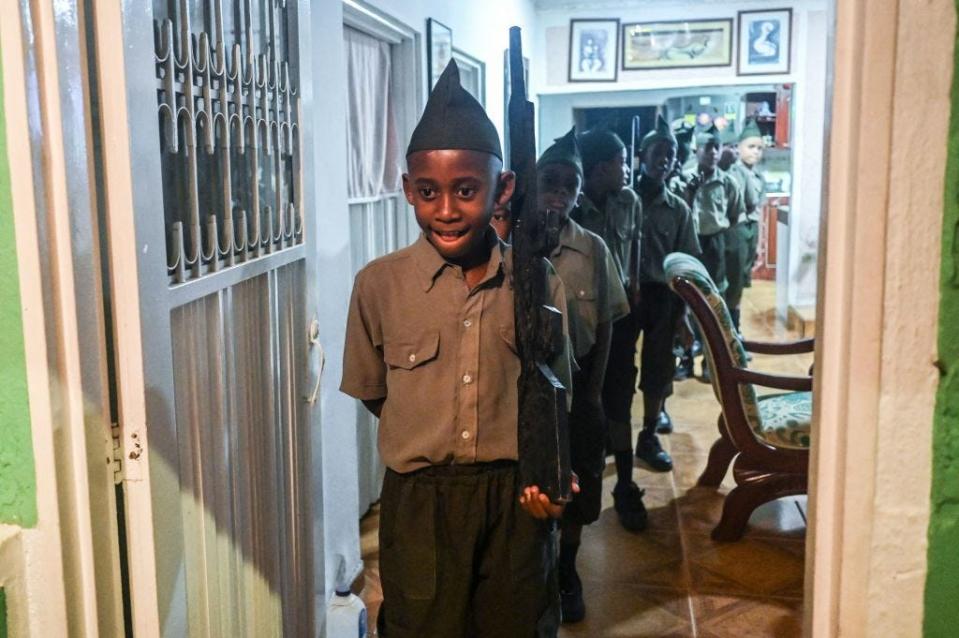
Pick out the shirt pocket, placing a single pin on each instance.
(409, 352)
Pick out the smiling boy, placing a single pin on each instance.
(595, 299)
(430, 349)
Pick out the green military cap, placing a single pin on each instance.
(598, 145)
(565, 150)
(454, 120)
(750, 129)
(728, 135)
(661, 132)
(709, 135)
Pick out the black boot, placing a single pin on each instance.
(649, 449)
(664, 425)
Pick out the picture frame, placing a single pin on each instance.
(677, 44)
(765, 42)
(439, 50)
(593, 49)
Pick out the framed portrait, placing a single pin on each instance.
(439, 50)
(765, 41)
(677, 44)
(593, 47)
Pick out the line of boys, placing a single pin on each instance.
(464, 550)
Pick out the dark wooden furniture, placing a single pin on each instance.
(763, 470)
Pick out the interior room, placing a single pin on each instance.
(289, 349)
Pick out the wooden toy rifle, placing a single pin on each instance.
(543, 426)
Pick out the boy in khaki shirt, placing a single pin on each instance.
(430, 349)
(595, 299)
(613, 211)
(743, 238)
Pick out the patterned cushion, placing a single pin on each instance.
(786, 419)
(781, 422)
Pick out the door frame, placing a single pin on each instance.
(877, 317)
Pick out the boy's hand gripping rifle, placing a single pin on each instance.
(543, 425)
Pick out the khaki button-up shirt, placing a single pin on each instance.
(620, 226)
(717, 201)
(594, 293)
(441, 355)
(753, 187)
(667, 228)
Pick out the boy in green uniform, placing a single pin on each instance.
(430, 350)
(667, 227)
(595, 298)
(676, 184)
(742, 239)
(716, 201)
(612, 211)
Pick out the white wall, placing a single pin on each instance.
(479, 29)
(799, 243)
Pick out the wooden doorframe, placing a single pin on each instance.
(877, 317)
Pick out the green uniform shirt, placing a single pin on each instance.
(717, 201)
(620, 226)
(594, 293)
(667, 228)
(754, 190)
(442, 356)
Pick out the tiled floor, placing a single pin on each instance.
(673, 580)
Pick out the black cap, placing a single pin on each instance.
(453, 119)
(661, 132)
(565, 150)
(599, 145)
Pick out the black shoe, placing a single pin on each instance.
(571, 598)
(697, 348)
(649, 450)
(664, 425)
(706, 377)
(684, 370)
(628, 503)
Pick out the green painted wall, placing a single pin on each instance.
(942, 581)
(18, 500)
(3, 614)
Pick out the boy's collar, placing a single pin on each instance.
(430, 263)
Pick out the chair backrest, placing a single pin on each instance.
(721, 343)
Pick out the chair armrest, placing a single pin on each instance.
(786, 347)
(768, 380)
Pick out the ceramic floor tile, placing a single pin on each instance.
(653, 559)
(728, 617)
(759, 567)
(631, 611)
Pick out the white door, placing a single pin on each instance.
(211, 241)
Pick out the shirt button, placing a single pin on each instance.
(582, 293)
(467, 323)
(412, 358)
(466, 434)
(467, 378)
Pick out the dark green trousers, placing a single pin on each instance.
(713, 257)
(741, 241)
(459, 558)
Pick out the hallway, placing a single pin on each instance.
(673, 580)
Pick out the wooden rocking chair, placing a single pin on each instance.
(768, 435)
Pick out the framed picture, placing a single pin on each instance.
(765, 40)
(439, 50)
(677, 44)
(593, 47)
